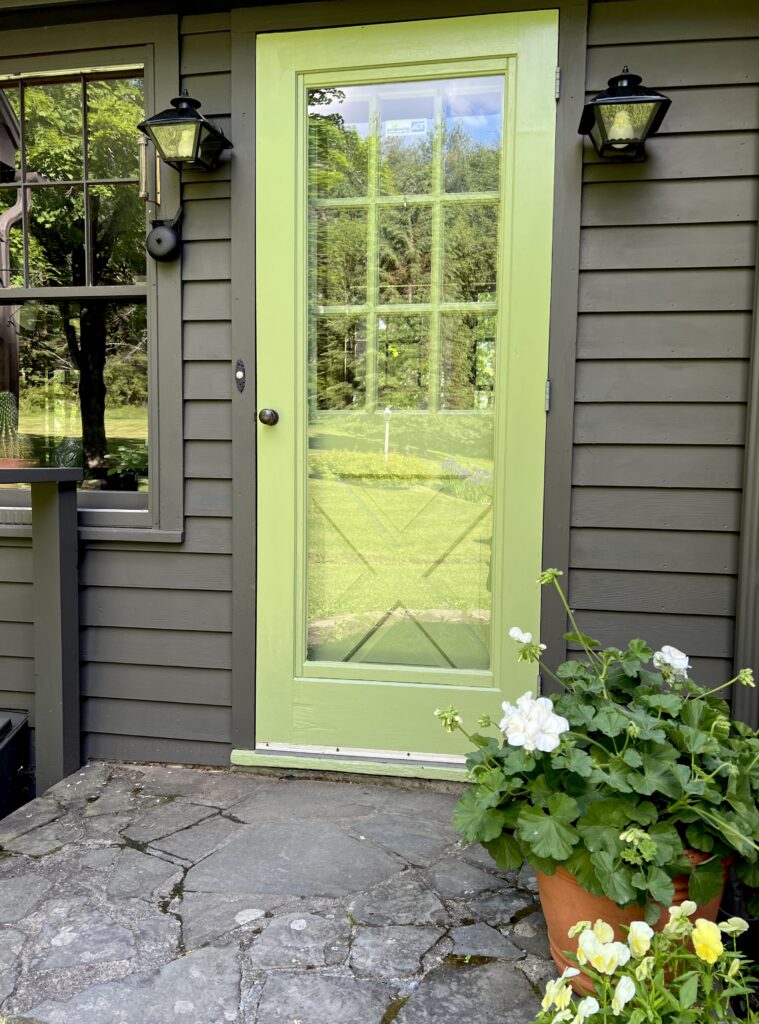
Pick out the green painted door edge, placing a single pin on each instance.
(417, 770)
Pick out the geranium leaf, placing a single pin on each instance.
(582, 639)
(574, 760)
(505, 851)
(657, 883)
(706, 881)
(699, 838)
(668, 843)
(610, 722)
(546, 833)
(601, 825)
(614, 877)
(581, 866)
(475, 823)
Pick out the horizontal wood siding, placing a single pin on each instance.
(156, 621)
(665, 305)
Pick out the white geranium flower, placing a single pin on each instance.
(639, 938)
(532, 724)
(522, 638)
(586, 1008)
(623, 993)
(672, 662)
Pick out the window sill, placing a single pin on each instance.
(125, 526)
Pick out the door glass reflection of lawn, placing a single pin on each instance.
(403, 240)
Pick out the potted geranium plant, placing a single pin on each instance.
(631, 791)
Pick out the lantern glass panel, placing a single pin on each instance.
(177, 141)
(623, 123)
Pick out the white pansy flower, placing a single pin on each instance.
(623, 993)
(532, 724)
(603, 931)
(558, 993)
(678, 923)
(734, 926)
(562, 1016)
(644, 968)
(604, 957)
(639, 938)
(586, 1008)
(522, 638)
(672, 663)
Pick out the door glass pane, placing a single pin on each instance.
(404, 188)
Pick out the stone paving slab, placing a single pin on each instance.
(141, 894)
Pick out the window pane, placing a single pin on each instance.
(10, 134)
(53, 131)
(118, 234)
(338, 150)
(11, 239)
(407, 129)
(403, 355)
(340, 256)
(405, 252)
(339, 366)
(82, 396)
(114, 109)
(473, 111)
(470, 252)
(467, 361)
(56, 236)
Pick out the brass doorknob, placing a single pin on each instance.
(269, 417)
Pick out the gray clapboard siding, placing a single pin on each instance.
(652, 592)
(195, 190)
(655, 550)
(16, 562)
(208, 497)
(11, 701)
(156, 647)
(208, 380)
(136, 608)
(723, 200)
(653, 21)
(707, 62)
(664, 380)
(206, 53)
(604, 291)
(207, 300)
(206, 219)
(157, 683)
(207, 339)
(208, 460)
(206, 261)
(17, 675)
(670, 247)
(709, 636)
(16, 602)
(158, 748)
(210, 421)
(193, 24)
(649, 466)
(16, 639)
(208, 534)
(716, 155)
(715, 109)
(176, 570)
(201, 723)
(657, 508)
(664, 336)
(213, 91)
(660, 423)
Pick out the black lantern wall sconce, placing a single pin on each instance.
(621, 118)
(184, 139)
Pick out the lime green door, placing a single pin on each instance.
(404, 188)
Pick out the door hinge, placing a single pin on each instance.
(558, 82)
(548, 396)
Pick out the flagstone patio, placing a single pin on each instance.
(151, 895)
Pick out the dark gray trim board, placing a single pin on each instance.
(746, 701)
(245, 23)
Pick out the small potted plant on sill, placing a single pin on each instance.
(15, 448)
(124, 467)
(632, 791)
(688, 973)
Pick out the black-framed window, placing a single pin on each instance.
(73, 281)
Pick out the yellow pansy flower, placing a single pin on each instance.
(707, 941)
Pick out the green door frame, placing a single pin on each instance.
(246, 24)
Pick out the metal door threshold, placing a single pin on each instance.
(349, 759)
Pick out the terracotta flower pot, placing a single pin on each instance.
(565, 902)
